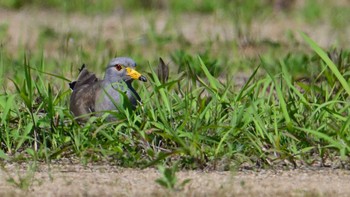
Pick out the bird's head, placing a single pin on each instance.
(123, 68)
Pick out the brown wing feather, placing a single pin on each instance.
(82, 100)
(85, 78)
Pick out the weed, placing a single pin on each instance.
(168, 178)
(22, 181)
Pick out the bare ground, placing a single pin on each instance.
(104, 180)
(122, 28)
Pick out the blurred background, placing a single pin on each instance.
(227, 34)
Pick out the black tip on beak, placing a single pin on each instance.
(143, 78)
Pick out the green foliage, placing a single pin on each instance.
(22, 180)
(203, 6)
(193, 118)
(85, 6)
(328, 62)
(169, 180)
(182, 59)
(312, 10)
(107, 6)
(292, 106)
(244, 13)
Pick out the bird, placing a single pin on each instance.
(91, 95)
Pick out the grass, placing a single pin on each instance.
(168, 180)
(195, 119)
(293, 107)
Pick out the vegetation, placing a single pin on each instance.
(292, 109)
(169, 180)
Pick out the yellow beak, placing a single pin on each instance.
(135, 75)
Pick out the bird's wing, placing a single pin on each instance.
(83, 97)
(85, 78)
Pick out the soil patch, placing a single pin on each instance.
(104, 180)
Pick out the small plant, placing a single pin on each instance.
(22, 182)
(169, 179)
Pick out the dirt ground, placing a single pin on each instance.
(25, 26)
(103, 180)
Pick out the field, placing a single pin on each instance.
(256, 102)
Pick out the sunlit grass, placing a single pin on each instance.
(192, 118)
(285, 107)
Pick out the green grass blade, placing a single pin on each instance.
(330, 140)
(3, 155)
(222, 140)
(280, 96)
(7, 107)
(161, 90)
(214, 83)
(289, 83)
(50, 74)
(246, 85)
(328, 61)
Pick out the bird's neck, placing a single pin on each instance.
(119, 84)
(110, 78)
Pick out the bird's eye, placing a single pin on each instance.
(118, 67)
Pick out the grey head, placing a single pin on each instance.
(120, 72)
(122, 69)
